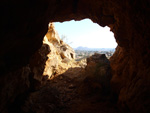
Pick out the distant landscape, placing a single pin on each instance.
(84, 52)
(94, 49)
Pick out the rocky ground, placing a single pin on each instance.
(74, 91)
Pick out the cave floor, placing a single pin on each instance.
(67, 93)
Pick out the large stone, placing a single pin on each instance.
(98, 72)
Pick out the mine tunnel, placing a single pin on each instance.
(23, 27)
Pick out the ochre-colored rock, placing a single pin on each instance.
(61, 56)
(52, 35)
(25, 23)
(52, 59)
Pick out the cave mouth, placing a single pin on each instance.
(87, 36)
(75, 41)
(83, 84)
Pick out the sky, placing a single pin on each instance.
(85, 33)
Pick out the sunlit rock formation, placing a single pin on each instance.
(55, 56)
(61, 56)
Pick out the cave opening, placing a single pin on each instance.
(82, 83)
(76, 40)
(87, 38)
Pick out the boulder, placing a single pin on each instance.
(98, 73)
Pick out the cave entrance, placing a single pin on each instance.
(87, 37)
(82, 84)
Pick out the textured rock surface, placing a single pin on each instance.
(61, 55)
(98, 73)
(14, 87)
(24, 24)
(130, 82)
(51, 59)
(44, 64)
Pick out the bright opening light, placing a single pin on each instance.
(85, 33)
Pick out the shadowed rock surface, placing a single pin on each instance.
(78, 90)
(24, 24)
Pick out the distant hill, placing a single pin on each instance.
(80, 48)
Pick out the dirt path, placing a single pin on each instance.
(67, 93)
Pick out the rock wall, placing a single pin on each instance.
(53, 58)
(24, 24)
(61, 55)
